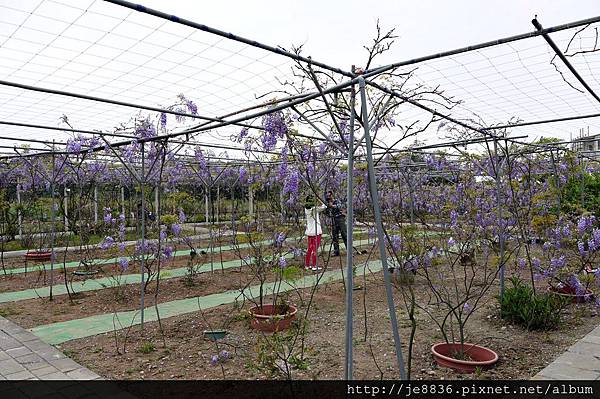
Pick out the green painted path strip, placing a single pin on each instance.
(68, 265)
(109, 282)
(58, 333)
(100, 261)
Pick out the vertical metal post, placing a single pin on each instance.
(123, 200)
(582, 166)
(156, 195)
(282, 205)
(411, 201)
(380, 233)
(499, 215)
(143, 240)
(52, 221)
(251, 202)
(206, 215)
(557, 182)
(218, 202)
(350, 247)
(66, 206)
(19, 214)
(95, 204)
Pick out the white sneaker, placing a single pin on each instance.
(316, 268)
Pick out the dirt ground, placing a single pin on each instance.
(39, 311)
(41, 278)
(184, 353)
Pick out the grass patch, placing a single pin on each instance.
(147, 347)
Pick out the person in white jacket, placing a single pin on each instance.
(313, 232)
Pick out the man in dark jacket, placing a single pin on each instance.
(338, 222)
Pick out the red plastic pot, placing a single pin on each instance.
(269, 318)
(570, 292)
(480, 356)
(38, 255)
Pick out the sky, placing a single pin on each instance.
(92, 47)
(335, 31)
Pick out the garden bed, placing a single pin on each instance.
(188, 354)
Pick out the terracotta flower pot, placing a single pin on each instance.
(271, 318)
(570, 293)
(38, 255)
(475, 356)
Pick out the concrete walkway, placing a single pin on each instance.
(580, 362)
(23, 356)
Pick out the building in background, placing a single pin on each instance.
(586, 143)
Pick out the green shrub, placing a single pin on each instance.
(533, 311)
(147, 347)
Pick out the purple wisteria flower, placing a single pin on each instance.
(584, 223)
(467, 308)
(282, 262)
(279, 239)
(396, 242)
(182, 217)
(176, 229)
(275, 127)
(168, 252)
(214, 360)
(108, 219)
(123, 263)
(242, 174)
(107, 243)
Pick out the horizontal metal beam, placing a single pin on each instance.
(481, 46)
(109, 101)
(227, 35)
(564, 59)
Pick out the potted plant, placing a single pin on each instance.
(568, 254)
(266, 259)
(460, 269)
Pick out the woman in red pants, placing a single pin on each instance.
(313, 232)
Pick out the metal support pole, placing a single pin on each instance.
(250, 202)
(557, 182)
(156, 194)
(52, 223)
(123, 201)
(218, 202)
(582, 166)
(66, 206)
(95, 204)
(350, 247)
(563, 58)
(206, 215)
(500, 225)
(282, 205)
(19, 213)
(143, 240)
(380, 233)
(411, 200)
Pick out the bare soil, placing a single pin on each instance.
(34, 312)
(183, 352)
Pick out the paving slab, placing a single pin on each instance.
(25, 358)
(580, 362)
